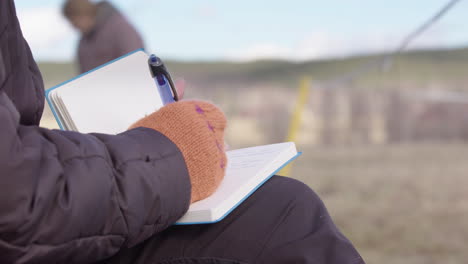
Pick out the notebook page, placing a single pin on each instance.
(58, 109)
(113, 97)
(245, 170)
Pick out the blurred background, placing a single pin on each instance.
(374, 92)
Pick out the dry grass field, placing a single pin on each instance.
(398, 203)
(403, 203)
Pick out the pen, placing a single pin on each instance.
(163, 80)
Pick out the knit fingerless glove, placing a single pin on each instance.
(197, 128)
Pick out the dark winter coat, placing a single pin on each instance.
(111, 37)
(66, 192)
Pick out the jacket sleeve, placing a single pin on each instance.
(67, 197)
(80, 198)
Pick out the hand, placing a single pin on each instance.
(197, 128)
(180, 85)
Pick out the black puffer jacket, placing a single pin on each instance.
(65, 192)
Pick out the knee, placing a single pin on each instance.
(304, 230)
(294, 192)
(286, 203)
(293, 201)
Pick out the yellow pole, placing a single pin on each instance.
(296, 117)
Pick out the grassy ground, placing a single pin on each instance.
(399, 203)
(403, 203)
(396, 203)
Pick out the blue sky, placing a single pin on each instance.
(246, 30)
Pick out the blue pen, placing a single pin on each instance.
(163, 80)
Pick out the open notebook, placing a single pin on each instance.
(110, 98)
(246, 171)
(99, 100)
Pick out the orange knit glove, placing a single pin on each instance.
(197, 128)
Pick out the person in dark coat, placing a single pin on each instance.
(67, 197)
(105, 33)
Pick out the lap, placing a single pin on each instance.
(284, 221)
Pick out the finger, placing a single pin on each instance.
(180, 85)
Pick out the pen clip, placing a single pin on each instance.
(158, 68)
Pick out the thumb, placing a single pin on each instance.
(180, 85)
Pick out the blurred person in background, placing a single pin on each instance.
(105, 32)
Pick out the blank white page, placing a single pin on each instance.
(111, 98)
(246, 169)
